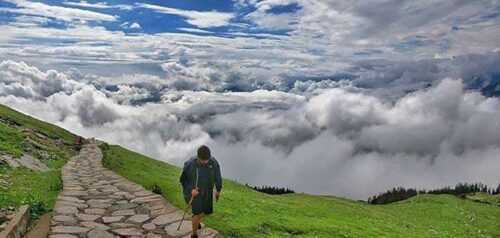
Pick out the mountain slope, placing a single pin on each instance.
(25, 136)
(243, 212)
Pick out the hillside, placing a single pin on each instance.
(241, 212)
(22, 136)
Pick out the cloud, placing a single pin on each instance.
(389, 26)
(194, 30)
(128, 25)
(324, 42)
(339, 141)
(98, 5)
(135, 25)
(57, 12)
(26, 81)
(265, 18)
(199, 19)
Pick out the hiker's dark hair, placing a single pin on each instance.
(204, 152)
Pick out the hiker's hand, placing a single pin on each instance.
(194, 192)
(217, 195)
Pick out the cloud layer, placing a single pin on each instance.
(338, 141)
(331, 97)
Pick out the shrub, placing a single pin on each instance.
(460, 190)
(271, 189)
(37, 207)
(156, 189)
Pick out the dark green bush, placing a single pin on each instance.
(156, 189)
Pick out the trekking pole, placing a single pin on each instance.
(185, 211)
(189, 204)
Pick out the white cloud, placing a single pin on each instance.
(135, 25)
(128, 25)
(62, 13)
(268, 20)
(388, 25)
(200, 19)
(30, 82)
(194, 30)
(326, 39)
(362, 144)
(98, 5)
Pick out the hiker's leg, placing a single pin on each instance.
(195, 222)
(202, 215)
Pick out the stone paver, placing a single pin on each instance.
(98, 203)
(97, 233)
(112, 219)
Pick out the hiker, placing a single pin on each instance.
(199, 175)
(78, 143)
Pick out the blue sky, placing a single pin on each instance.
(280, 39)
(246, 45)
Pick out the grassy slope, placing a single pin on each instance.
(485, 198)
(23, 186)
(243, 212)
(26, 121)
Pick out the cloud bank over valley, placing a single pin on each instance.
(338, 141)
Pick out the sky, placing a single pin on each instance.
(346, 98)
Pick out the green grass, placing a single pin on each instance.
(243, 212)
(23, 186)
(11, 140)
(26, 121)
(485, 198)
(37, 189)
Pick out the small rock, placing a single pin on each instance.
(121, 225)
(70, 229)
(99, 205)
(31, 163)
(70, 204)
(138, 218)
(62, 236)
(153, 235)
(142, 209)
(66, 210)
(112, 219)
(96, 233)
(87, 217)
(99, 201)
(64, 219)
(127, 232)
(147, 199)
(166, 219)
(71, 199)
(149, 226)
(96, 225)
(185, 228)
(96, 211)
(74, 193)
(143, 193)
(123, 206)
(128, 212)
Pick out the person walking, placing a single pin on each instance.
(199, 176)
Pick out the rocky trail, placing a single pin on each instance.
(98, 203)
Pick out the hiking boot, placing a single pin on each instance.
(199, 226)
(194, 236)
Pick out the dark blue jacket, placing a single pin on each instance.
(189, 172)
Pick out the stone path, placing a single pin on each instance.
(98, 203)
